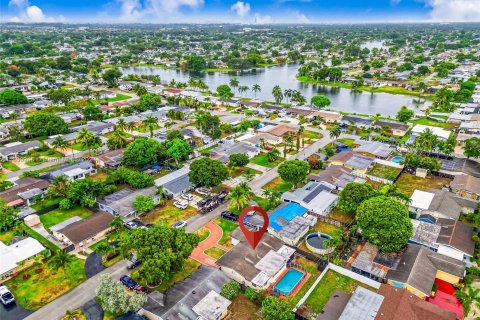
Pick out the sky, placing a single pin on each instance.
(235, 11)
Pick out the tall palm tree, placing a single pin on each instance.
(118, 139)
(234, 83)
(277, 94)
(84, 137)
(130, 126)
(273, 198)
(426, 141)
(151, 123)
(335, 132)
(60, 260)
(60, 143)
(288, 94)
(59, 186)
(240, 196)
(121, 124)
(256, 88)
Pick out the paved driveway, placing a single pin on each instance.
(212, 241)
(93, 310)
(93, 264)
(13, 312)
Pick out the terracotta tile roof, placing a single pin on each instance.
(342, 156)
(282, 129)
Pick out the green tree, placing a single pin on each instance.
(143, 204)
(353, 195)
(143, 151)
(115, 299)
(207, 172)
(117, 140)
(320, 101)
(238, 159)
(61, 95)
(84, 192)
(59, 186)
(45, 124)
(92, 112)
(472, 148)
(12, 97)
(178, 149)
(277, 94)
(224, 92)
(273, 197)
(60, 143)
(294, 171)
(196, 63)
(230, 290)
(385, 222)
(240, 196)
(60, 260)
(111, 77)
(335, 132)
(234, 83)
(151, 123)
(256, 88)
(404, 114)
(468, 296)
(276, 309)
(8, 215)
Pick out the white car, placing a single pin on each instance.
(204, 191)
(6, 296)
(181, 204)
(187, 196)
(179, 224)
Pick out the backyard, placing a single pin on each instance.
(278, 184)
(385, 172)
(428, 122)
(311, 268)
(408, 183)
(323, 227)
(227, 228)
(243, 171)
(59, 215)
(46, 285)
(340, 216)
(242, 308)
(262, 160)
(324, 289)
(168, 214)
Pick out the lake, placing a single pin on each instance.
(284, 76)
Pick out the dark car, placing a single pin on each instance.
(228, 215)
(128, 282)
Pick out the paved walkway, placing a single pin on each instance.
(78, 296)
(212, 241)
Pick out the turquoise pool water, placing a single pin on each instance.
(289, 281)
(287, 212)
(398, 159)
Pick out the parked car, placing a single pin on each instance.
(131, 225)
(133, 263)
(179, 224)
(268, 148)
(229, 215)
(181, 204)
(6, 296)
(187, 196)
(131, 284)
(203, 191)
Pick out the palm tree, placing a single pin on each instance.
(121, 124)
(273, 198)
(288, 94)
(85, 137)
(130, 126)
(335, 132)
(151, 123)
(256, 88)
(240, 196)
(277, 94)
(59, 186)
(118, 139)
(103, 248)
(60, 143)
(234, 83)
(468, 296)
(243, 89)
(426, 141)
(73, 315)
(273, 155)
(60, 260)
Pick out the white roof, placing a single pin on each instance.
(18, 252)
(271, 263)
(441, 133)
(321, 202)
(74, 172)
(421, 199)
(212, 306)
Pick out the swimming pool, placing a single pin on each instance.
(287, 213)
(289, 281)
(398, 159)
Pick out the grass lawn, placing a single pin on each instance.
(428, 122)
(383, 171)
(227, 228)
(189, 267)
(203, 233)
(47, 285)
(6, 236)
(347, 141)
(214, 252)
(242, 308)
(262, 160)
(278, 184)
(323, 227)
(100, 176)
(80, 147)
(340, 216)
(307, 134)
(59, 215)
(408, 183)
(47, 202)
(118, 97)
(241, 171)
(35, 162)
(218, 70)
(10, 166)
(168, 214)
(324, 289)
(51, 153)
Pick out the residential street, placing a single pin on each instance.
(78, 296)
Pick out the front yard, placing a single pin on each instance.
(408, 183)
(59, 215)
(10, 166)
(214, 252)
(311, 135)
(46, 285)
(243, 171)
(278, 184)
(168, 214)
(262, 160)
(385, 172)
(227, 228)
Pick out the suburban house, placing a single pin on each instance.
(25, 192)
(283, 130)
(314, 196)
(196, 297)
(356, 121)
(339, 176)
(233, 120)
(13, 150)
(111, 159)
(290, 222)
(420, 128)
(72, 172)
(466, 186)
(328, 116)
(267, 138)
(227, 149)
(420, 266)
(86, 231)
(374, 149)
(176, 183)
(398, 129)
(440, 204)
(449, 237)
(369, 262)
(352, 160)
(69, 137)
(120, 203)
(256, 268)
(19, 251)
(96, 127)
(69, 117)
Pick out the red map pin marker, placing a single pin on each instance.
(253, 237)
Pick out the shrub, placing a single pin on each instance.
(65, 204)
(230, 290)
(251, 294)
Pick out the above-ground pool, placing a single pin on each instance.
(398, 159)
(289, 281)
(316, 243)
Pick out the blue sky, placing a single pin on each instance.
(253, 11)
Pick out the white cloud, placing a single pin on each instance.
(454, 10)
(241, 8)
(30, 13)
(151, 10)
(300, 17)
(261, 19)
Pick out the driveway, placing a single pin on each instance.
(199, 220)
(14, 312)
(92, 310)
(93, 264)
(78, 297)
(212, 241)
